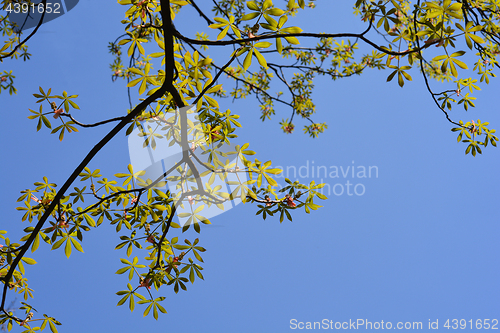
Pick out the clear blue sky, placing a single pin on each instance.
(420, 244)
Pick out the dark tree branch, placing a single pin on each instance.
(312, 35)
(91, 125)
(423, 71)
(167, 86)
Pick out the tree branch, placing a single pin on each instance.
(167, 86)
(313, 35)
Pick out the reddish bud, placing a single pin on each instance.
(212, 135)
(176, 259)
(151, 239)
(289, 201)
(57, 113)
(144, 283)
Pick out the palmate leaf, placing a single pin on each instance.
(64, 127)
(144, 78)
(450, 61)
(52, 323)
(468, 33)
(43, 96)
(67, 101)
(226, 24)
(90, 174)
(153, 304)
(402, 74)
(69, 242)
(131, 175)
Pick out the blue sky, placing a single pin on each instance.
(420, 244)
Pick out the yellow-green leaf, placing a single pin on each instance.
(248, 59)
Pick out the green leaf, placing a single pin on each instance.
(279, 45)
(252, 5)
(391, 76)
(292, 40)
(250, 16)
(77, 245)
(123, 300)
(476, 38)
(58, 244)
(267, 4)
(67, 248)
(401, 82)
(146, 312)
(248, 60)
(29, 261)
(52, 327)
(263, 44)
(457, 54)
(292, 30)
(122, 270)
(223, 33)
(36, 243)
(131, 304)
(261, 59)
(460, 64)
(272, 22)
(275, 11)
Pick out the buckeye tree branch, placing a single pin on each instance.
(306, 34)
(167, 86)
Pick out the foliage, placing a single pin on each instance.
(269, 53)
